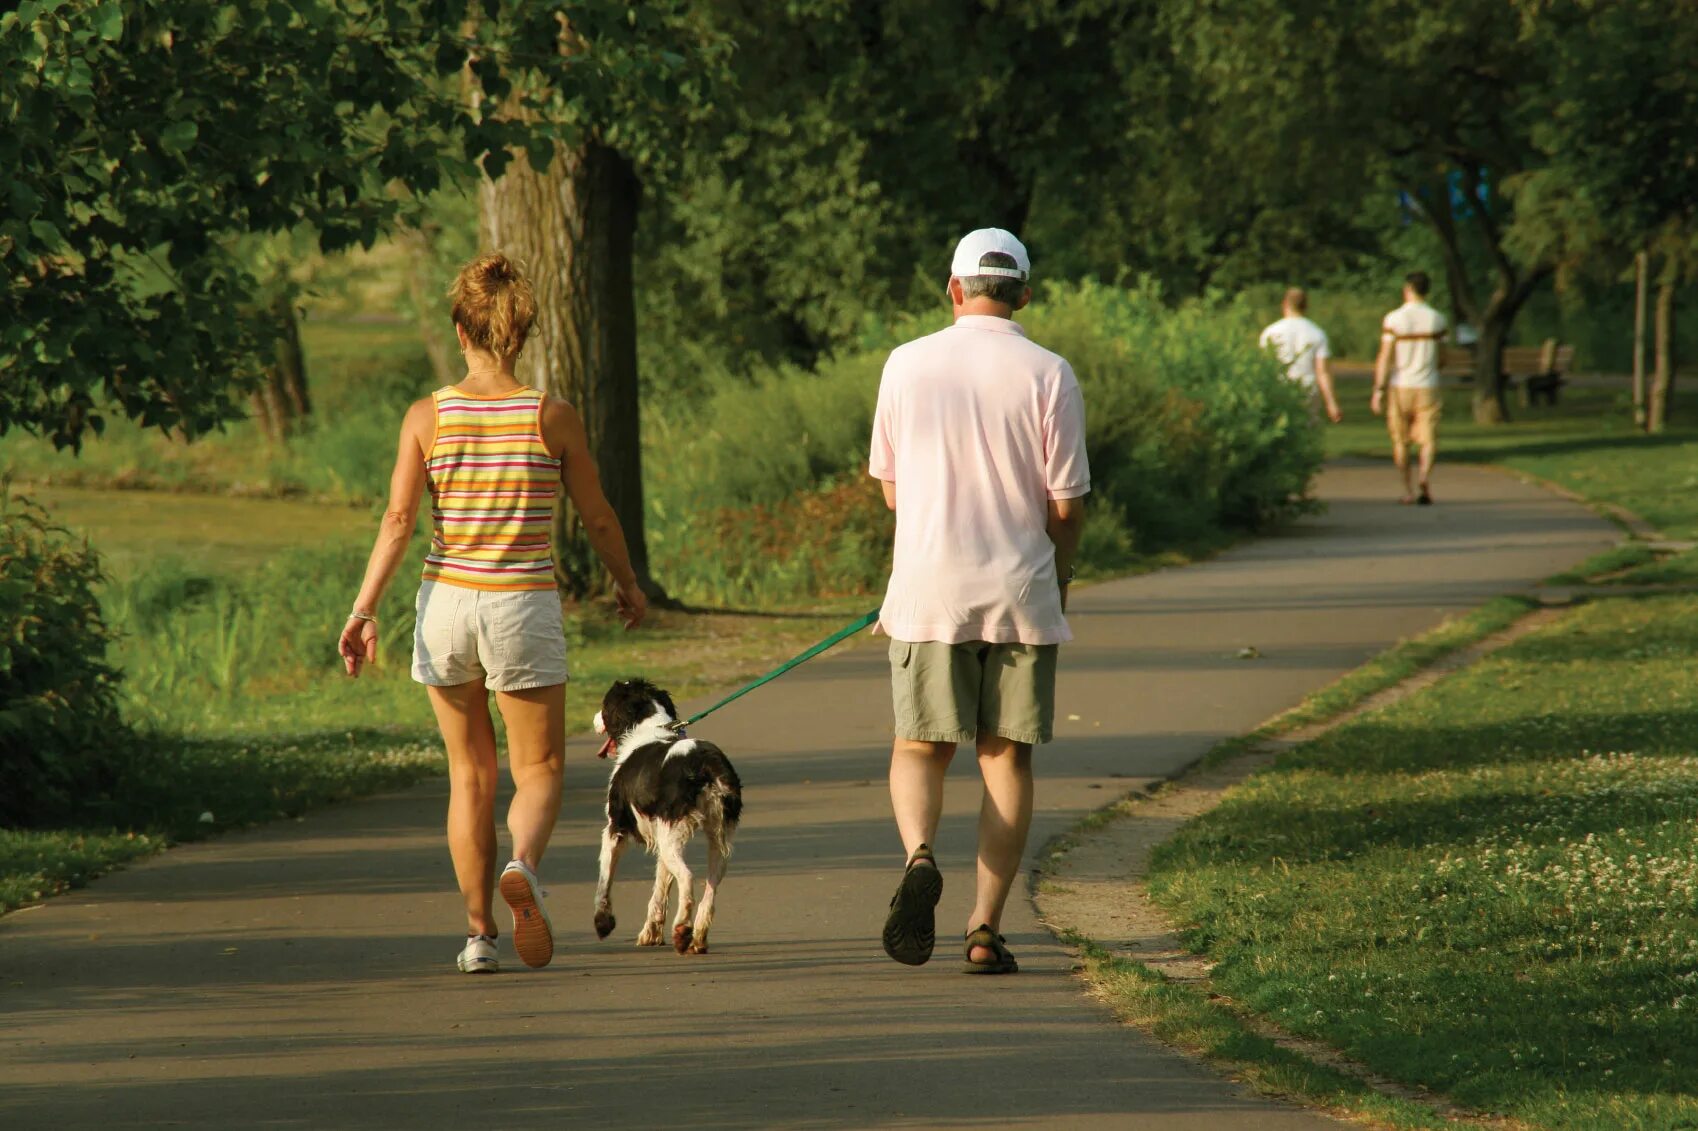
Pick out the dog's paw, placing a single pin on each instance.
(697, 946)
(681, 938)
(604, 924)
(649, 935)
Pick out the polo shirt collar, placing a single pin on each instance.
(991, 322)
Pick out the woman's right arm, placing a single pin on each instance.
(563, 430)
(358, 643)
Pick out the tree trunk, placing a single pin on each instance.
(1510, 295)
(282, 398)
(1490, 407)
(572, 229)
(429, 305)
(1662, 376)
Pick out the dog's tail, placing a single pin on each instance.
(722, 786)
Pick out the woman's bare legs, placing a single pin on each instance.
(536, 756)
(463, 714)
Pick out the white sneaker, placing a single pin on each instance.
(478, 957)
(533, 934)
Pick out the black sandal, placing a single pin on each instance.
(910, 930)
(1002, 962)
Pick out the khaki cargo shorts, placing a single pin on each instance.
(951, 692)
(1412, 415)
(511, 641)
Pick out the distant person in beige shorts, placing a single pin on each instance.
(979, 442)
(493, 454)
(1408, 368)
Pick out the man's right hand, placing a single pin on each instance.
(1377, 402)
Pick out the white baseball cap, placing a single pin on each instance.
(974, 246)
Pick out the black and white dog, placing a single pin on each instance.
(663, 788)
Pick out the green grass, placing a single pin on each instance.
(1676, 569)
(1189, 1019)
(1489, 889)
(1401, 661)
(1588, 444)
(1603, 566)
(135, 530)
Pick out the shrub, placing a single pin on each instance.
(1194, 434)
(59, 717)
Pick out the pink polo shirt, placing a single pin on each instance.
(978, 428)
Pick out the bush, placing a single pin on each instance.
(1193, 433)
(59, 716)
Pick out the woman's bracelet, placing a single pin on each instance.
(357, 615)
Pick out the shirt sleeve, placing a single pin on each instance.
(1067, 469)
(1323, 348)
(881, 462)
(1267, 335)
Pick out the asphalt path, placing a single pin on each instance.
(301, 974)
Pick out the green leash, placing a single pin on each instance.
(835, 638)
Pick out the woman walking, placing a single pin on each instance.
(493, 453)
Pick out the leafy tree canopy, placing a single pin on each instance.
(144, 137)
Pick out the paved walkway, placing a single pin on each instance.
(300, 975)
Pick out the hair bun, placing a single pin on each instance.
(493, 303)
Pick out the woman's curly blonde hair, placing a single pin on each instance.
(493, 304)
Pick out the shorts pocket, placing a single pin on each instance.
(901, 653)
(433, 631)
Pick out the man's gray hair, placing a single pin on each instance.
(997, 288)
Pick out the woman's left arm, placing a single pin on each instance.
(358, 644)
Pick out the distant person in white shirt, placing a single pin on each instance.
(1409, 364)
(1302, 348)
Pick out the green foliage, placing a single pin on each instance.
(1622, 101)
(59, 715)
(1193, 434)
(144, 139)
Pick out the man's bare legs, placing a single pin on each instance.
(1429, 453)
(916, 789)
(463, 714)
(1005, 818)
(1400, 456)
(536, 756)
(536, 726)
(917, 772)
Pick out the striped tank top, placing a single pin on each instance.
(492, 488)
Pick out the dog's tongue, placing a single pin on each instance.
(606, 748)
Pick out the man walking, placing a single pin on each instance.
(1409, 357)
(1302, 348)
(979, 441)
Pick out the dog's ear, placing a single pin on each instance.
(665, 701)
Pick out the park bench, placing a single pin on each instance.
(1537, 372)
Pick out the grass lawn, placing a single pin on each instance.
(1489, 889)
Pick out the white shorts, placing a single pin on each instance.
(511, 641)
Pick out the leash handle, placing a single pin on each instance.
(837, 637)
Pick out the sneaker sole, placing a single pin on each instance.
(480, 967)
(533, 941)
(910, 930)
